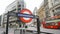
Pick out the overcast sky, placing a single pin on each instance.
(30, 4)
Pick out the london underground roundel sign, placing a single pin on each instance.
(23, 19)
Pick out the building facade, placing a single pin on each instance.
(16, 7)
(53, 7)
(41, 12)
(49, 8)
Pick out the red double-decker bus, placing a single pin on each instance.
(52, 22)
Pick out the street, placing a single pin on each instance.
(11, 31)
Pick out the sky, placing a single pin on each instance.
(30, 4)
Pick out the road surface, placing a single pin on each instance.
(11, 31)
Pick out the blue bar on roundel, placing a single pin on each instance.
(26, 15)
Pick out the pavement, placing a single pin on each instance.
(2, 30)
(11, 31)
(53, 31)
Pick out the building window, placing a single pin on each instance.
(47, 14)
(47, 7)
(45, 2)
(56, 1)
(52, 4)
(19, 5)
(22, 5)
(13, 10)
(13, 7)
(58, 9)
(19, 8)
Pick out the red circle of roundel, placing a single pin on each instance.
(22, 18)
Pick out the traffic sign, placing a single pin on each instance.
(26, 15)
(24, 19)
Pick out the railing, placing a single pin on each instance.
(20, 31)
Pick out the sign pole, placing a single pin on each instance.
(38, 26)
(7, 23)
